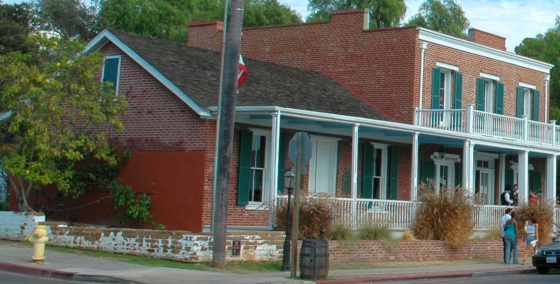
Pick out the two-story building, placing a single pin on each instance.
(385, 110)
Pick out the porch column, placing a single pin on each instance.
(502, 173)
(354, 186)
(414, 168)
(275, 148)
(523, 176)
(550, 178)
(468, 163)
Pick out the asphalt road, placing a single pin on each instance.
(8, 277)
(552, 278)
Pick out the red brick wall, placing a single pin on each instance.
(488, 39)
(343, 50)
(382, 65)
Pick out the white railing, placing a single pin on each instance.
(400, 214)
(488, 124)
(449, 119)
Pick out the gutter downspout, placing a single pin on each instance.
(546, 110)
(423, 46)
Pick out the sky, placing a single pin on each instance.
(512, 19)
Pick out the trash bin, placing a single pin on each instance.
(314, 259)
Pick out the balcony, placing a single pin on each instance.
(487, 124)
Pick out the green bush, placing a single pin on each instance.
(341, 232)
(372, 232)
(446, 216)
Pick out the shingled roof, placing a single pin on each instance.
(196, 72)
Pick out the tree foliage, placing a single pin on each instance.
(383, 13)
(445, 16)
(15, 26)
(68, 18)
(169, 19)
(57, 105)
(546, 48)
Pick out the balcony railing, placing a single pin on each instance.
(399, 214)
(489, 124)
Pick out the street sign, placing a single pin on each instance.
(300, 138)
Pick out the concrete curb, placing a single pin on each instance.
(62, 275)
(418, 276)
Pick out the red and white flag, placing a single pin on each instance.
(242, 74)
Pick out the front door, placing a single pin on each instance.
(322, 166)
(486, 185)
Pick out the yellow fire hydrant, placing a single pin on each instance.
(38, 239)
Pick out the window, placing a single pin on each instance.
(527, 102)
(323, 165)
(489, 94)
(253, 171)
(374, 171)
(444, 177)
(446, 88)
(111, 72)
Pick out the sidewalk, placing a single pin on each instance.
(76, 267)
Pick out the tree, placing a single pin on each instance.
(169, 19)
(546, 48)
(59, 114)
(383, 13)
(445, 16)
(15, 26)
(69, 18)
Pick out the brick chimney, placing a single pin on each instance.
(487, 39)
(207, 35)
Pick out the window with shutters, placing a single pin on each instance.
(111, 73)
(258, 160)
(446, 89)
(375, 186)
(253, 168)
(490, 96)
(527, 101)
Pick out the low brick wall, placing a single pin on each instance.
(255, 246)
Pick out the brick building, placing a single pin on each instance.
(385, 110)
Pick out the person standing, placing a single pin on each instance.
(532, 237)
(506, 196)
(515, 195)
(510, 236)
(533, 198)
(505, 218)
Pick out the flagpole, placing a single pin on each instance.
(225, 130)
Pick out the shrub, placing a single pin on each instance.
(544, 215)
(446, 216)
(369, 231)
(407, 236)
(314, 215)
(493, 234)
(341, 232)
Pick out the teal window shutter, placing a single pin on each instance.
(519, 101)
(244, 178)
(458, 90)
(347, 182)
(458, 174)
(536, 106)
(436, 78)
(393, 170)
(480, 94)
(499, 98)
(428, 170)
(111, 72)
(508, 178)
(367, 171)
(281, 163)
(535, 181)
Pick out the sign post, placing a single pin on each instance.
(299, 154)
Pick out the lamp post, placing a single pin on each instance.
(289, 183)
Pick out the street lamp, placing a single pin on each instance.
(289, 183)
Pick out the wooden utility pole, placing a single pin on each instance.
(226, 119)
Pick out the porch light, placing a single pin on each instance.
(289, 183)
(289, 179)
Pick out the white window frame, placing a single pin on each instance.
(383, 177)
(258, 205)
(444, 159)
(118, 71)
(528, 102)
(490, 90)
(491, 169)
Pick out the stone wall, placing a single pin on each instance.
(255, 246)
